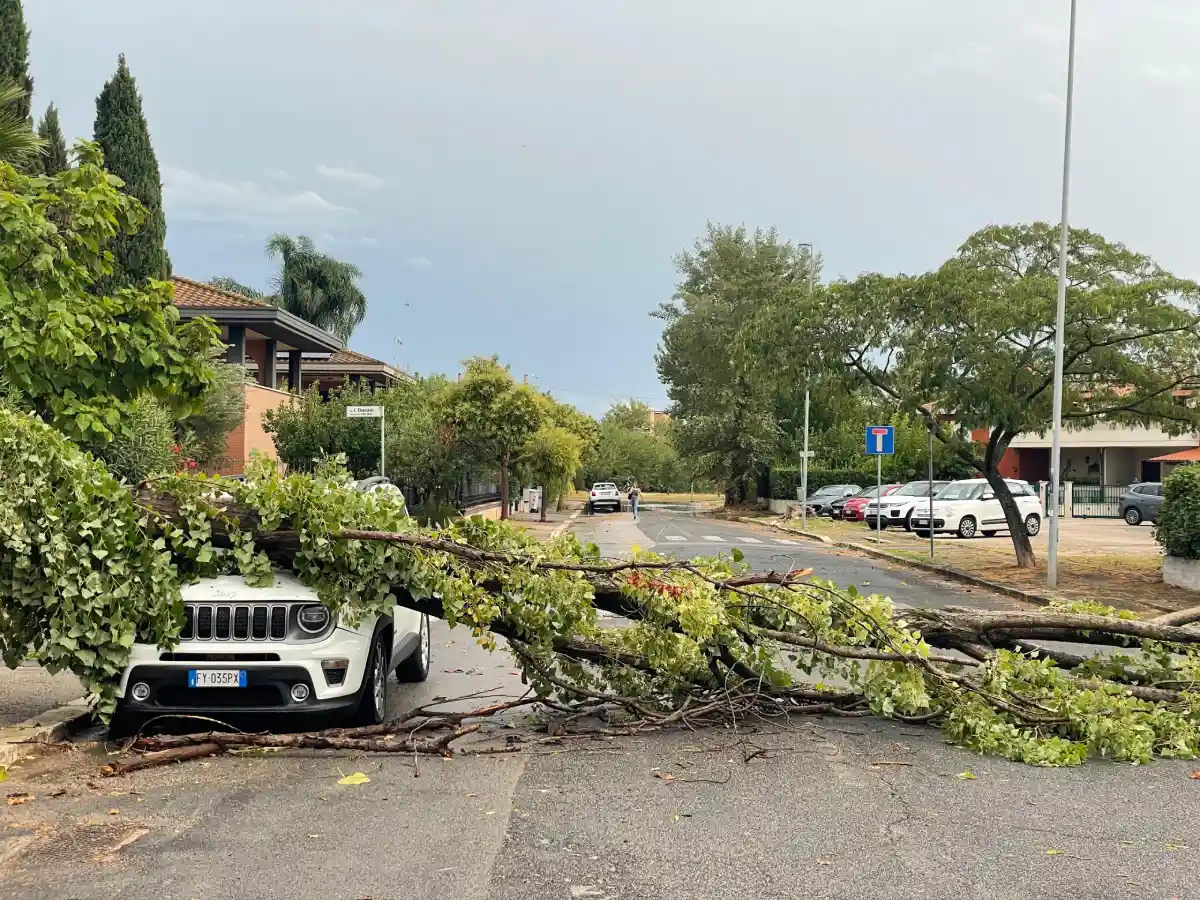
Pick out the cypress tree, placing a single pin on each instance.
(14, 53)
(54, 154)
(122, 134)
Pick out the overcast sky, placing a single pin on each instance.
(515, 176)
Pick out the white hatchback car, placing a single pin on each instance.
(273, 650)
(969, 507)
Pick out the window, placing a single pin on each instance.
(1018, 488)
(964, 490)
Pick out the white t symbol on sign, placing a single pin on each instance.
(879, 436)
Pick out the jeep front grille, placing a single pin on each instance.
(236, 622)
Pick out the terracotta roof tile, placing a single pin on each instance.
(1190, 455)
(195, 295)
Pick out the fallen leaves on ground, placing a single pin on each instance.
(968, 775)
(666, 776)
(354, 778)
(1195, 775)
(19, 799)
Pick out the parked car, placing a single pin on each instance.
(820, 500)
(1141, 502)
(604, 494)
(897, 507)
(968, 507)
(273, 650)
(377, 484)
(851, 508)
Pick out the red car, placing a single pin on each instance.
(853, 510)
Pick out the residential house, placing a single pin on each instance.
(328, 370)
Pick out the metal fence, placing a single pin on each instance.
(473, 491)
(1096, 501)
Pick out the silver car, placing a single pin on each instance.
(1141, 502)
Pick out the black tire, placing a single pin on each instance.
(124, 724)
(416, 667)
(1033, 524)
(989, 534)
(967, 527)
(908, 526)
(1132, 516)
(921, 532)
(372, 696)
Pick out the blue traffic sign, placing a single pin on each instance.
(881, 440)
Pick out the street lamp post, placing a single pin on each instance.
(1060, 318)
(804, 454)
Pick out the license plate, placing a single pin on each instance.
(216, 678)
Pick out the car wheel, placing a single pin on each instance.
(1033, 524)
(416, 667)
(124, 723)
(908, 526)
(1133, 516)
(372, 697)
(967, 527)
(921, 532)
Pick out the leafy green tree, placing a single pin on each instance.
(144, 446)
(492, 417)
(19, 146)
(974, 341)
(550, 458)
(222, 408)
(77, 358)
(14, 58)
(723, 404)
(123, 135)
(632, 415)
(313, 285)
(54, 145)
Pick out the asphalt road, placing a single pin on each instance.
(687, 535)
(834, 808)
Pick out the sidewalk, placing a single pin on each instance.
(543, 531)
(29, 690)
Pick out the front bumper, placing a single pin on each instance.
(271, 671)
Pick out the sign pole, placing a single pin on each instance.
(382, 443)
(930, 493)
(878, 498)
(804, 458)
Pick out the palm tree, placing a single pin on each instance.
(19, 145)
(313, 285)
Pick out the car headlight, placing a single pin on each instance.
(313, 619)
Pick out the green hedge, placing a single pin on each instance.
(1178, 528)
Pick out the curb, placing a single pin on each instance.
(945, 571)
(49, 727)
(565, 525)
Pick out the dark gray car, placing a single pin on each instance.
(1141, 502)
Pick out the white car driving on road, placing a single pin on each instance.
(606, 494)
(969, 507)
(273, 650)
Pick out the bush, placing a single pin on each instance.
(1178, 528)
(144, 446)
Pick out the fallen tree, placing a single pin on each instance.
(89, 566)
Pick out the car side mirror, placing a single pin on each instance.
(988, 496)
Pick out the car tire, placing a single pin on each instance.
(1132, 516)
(967, 527)
(921, 532)
(989, 534)
(125, 724)
(415, 668)
(908, 526)
(1033, 524)
(372, 696)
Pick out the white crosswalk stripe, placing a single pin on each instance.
(750, 540)
(714, 538)
(788, 543)
(676, 537)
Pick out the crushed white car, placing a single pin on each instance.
(273, 650)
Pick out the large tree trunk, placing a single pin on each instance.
(504, 486)
(997, 444)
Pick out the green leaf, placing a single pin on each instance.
(737, 555)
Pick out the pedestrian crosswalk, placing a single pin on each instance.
(718, 539)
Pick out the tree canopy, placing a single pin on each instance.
(14, 59)
(54, 145)
(124, 137)
(77, 357)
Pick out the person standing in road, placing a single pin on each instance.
(635, 494)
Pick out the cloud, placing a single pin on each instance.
(1178, 75)
(279, 174)
(352, 177)
(418, 262)
(201, 198)
(366, 239)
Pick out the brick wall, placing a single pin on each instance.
(249, 437)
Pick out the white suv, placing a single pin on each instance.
(968, 507)
(897, 507)
(273, 650)
(604, 493)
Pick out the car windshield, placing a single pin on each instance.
(916, 489)
(959, 490)
(604, 485)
